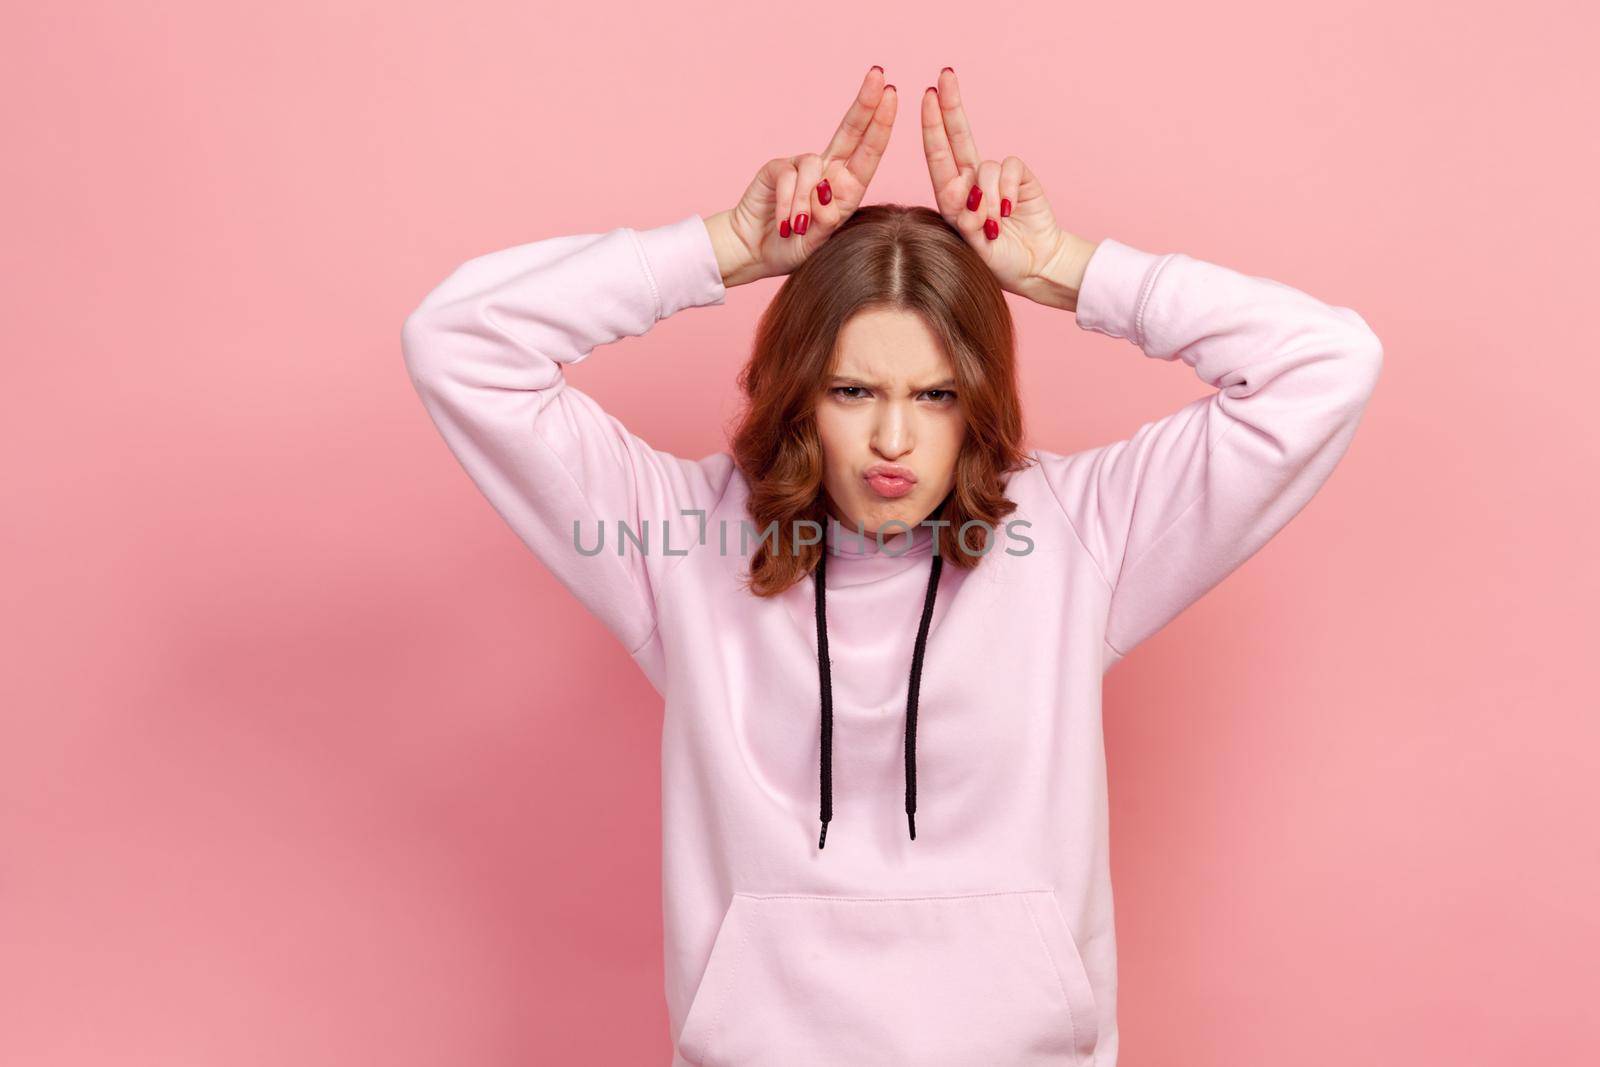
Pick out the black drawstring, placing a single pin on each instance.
(826, 680)
(911, 699)
(827, 699)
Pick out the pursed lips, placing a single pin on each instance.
(891, 470)
(890, 480)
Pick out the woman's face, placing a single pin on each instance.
(889, 410)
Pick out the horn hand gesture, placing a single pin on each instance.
(999, 207)
(795, 203)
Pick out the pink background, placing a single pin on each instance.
(305, 760)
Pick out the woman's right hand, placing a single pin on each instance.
(796, 202)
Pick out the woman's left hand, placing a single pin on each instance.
(1000, 208)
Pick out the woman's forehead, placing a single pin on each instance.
(885, 346)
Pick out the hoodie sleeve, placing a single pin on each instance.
(486, 351)
(1172, 510)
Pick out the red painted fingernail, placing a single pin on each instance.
(783, 228)
(991, 229)
(888, 88)
(974, 198)
(1005, 207)
(929, 89)
(952, 70)
(876, 67)
(801, 221)
(824, 192)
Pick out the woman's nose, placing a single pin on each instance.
(892, 435)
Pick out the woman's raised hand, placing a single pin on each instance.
(1000, 208)
(795, 202)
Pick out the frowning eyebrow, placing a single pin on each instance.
(838, 379)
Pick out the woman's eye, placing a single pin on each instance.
(857, 392)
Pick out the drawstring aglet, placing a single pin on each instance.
(911, 820)
(824, 837)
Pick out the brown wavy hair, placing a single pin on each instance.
(893, 256)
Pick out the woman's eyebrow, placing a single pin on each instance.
(845, 379)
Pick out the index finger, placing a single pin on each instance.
(962, 144)
(857, 121)
(942, 166)
(863, 162)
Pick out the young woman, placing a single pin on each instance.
(878, 608)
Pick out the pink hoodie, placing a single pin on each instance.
(987, 939)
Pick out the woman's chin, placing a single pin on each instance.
(897, 515)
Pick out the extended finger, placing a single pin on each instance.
(863, 162)
(853, 127)
(942, 166)
(963, 145)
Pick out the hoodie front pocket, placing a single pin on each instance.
(930, 981)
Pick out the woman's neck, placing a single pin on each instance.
(892, 539)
